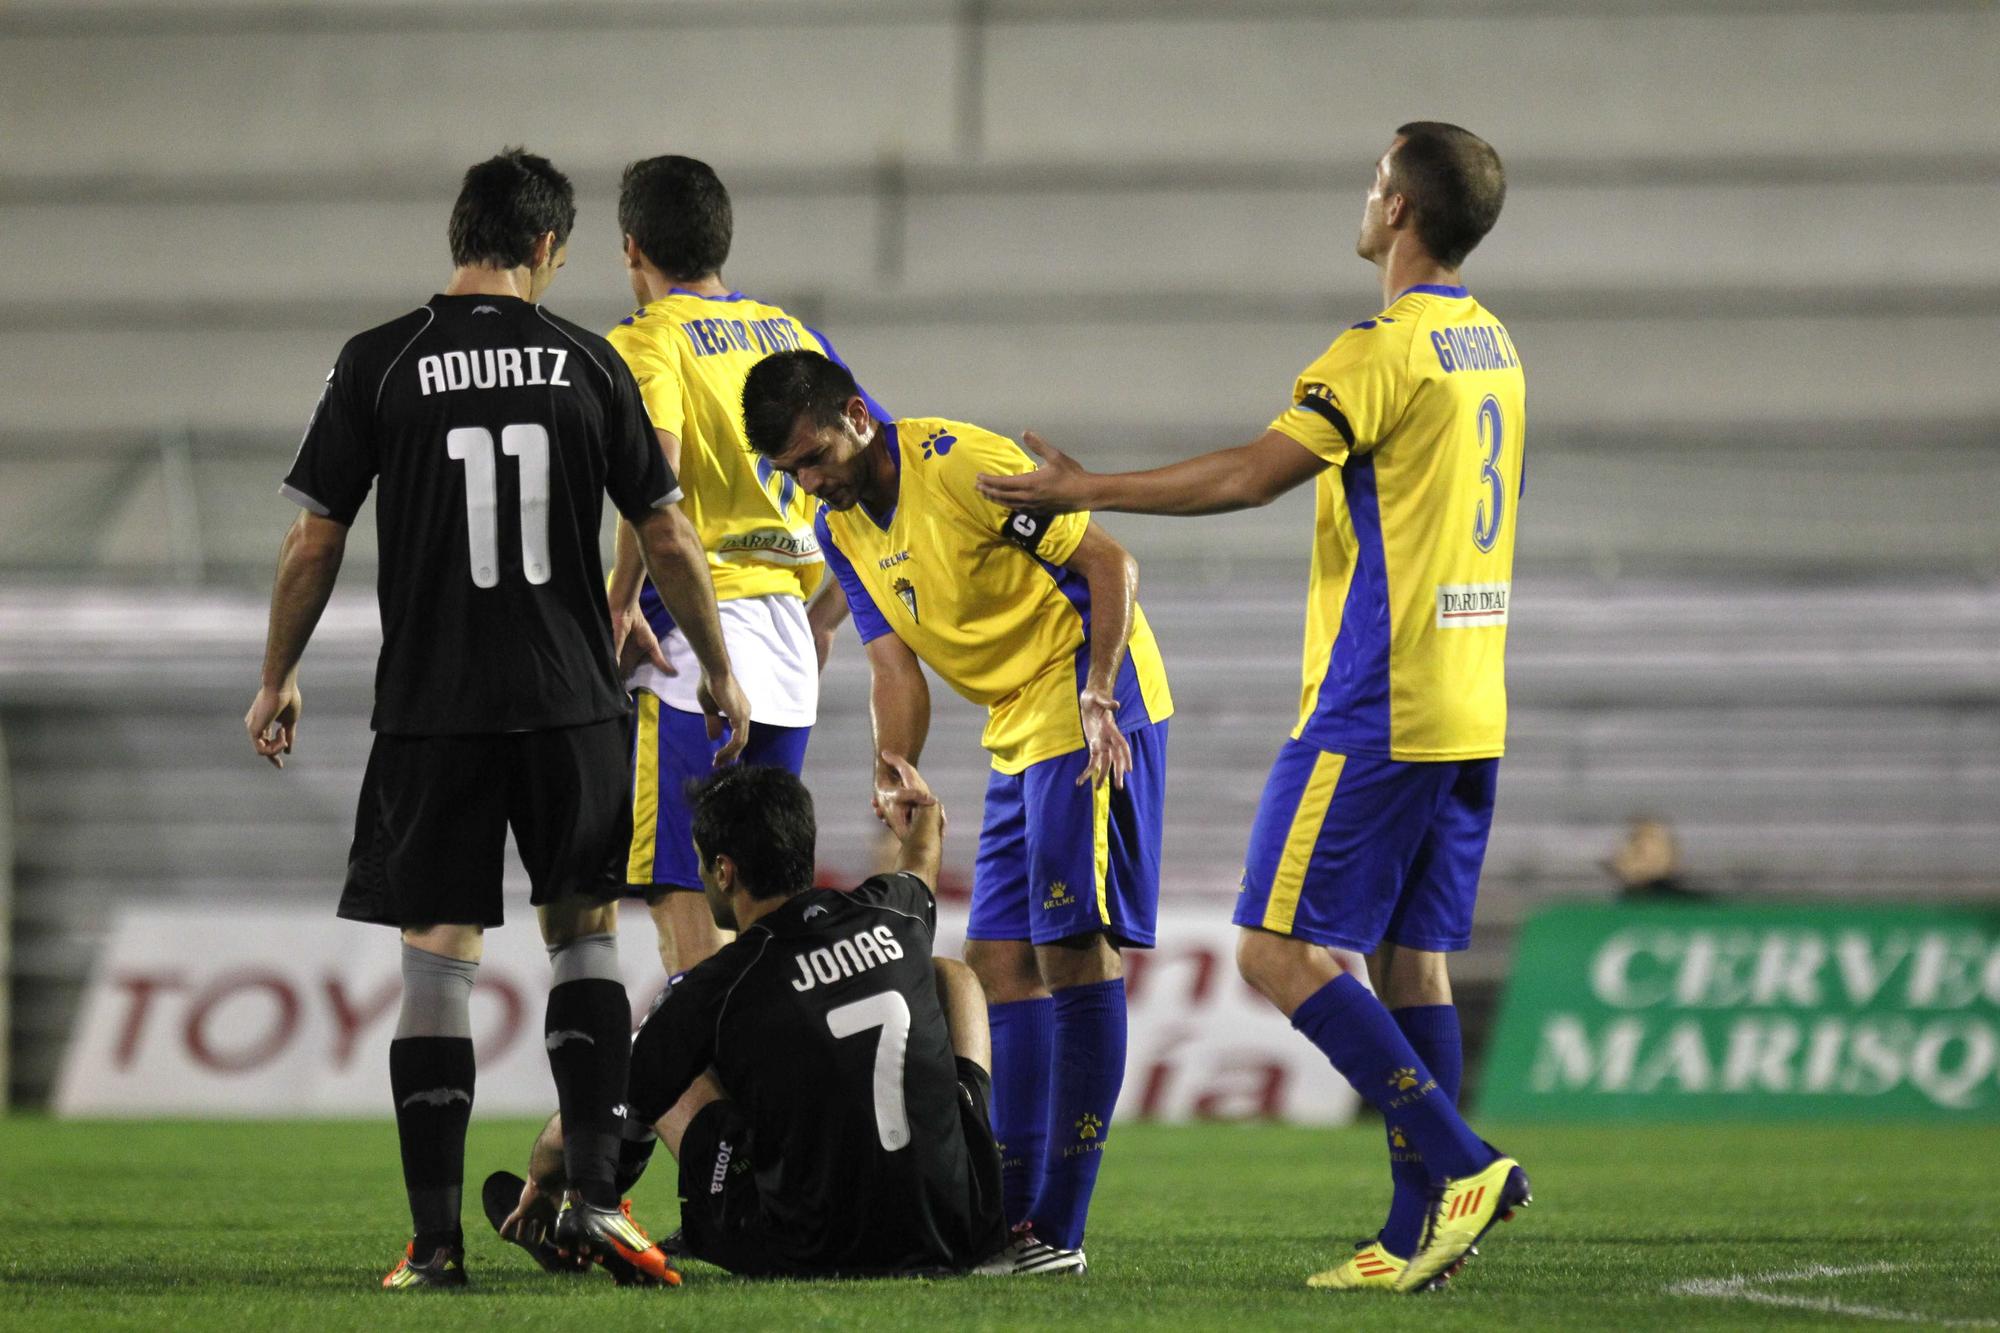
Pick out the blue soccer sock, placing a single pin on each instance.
(1022, 1031)
(1354, 1031)
(1433, 1033)
(1088, 1071)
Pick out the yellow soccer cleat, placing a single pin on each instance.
(1464, 1210)
(1371, 1268)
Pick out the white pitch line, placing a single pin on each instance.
(1739, 1287)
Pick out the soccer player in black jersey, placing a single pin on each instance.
(495, 430)
(823, 1079)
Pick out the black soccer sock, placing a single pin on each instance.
(431, 1079)
(588, 1034)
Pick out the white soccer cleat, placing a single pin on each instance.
(1025, 1254)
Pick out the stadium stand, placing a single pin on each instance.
(1758, 570)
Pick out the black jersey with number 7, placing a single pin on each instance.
(496, 429)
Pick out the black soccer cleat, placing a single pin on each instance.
(499, 1195)
(613, 1238)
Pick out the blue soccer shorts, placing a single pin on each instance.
(671, 748)
(1351, 850)
(1057, 860)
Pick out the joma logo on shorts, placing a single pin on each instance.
(715, 1177)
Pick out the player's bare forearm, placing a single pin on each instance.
(823, 616)
(1113, 576)
(1224, 481)
(628, 569)
(899, 704)
(679, 568)
(308, 564)
(827, 610)
(922, 851)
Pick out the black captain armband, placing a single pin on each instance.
(1026, 530)
(1319, 401)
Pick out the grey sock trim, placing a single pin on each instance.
(585, 958)
(437, 995)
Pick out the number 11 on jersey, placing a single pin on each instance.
(473, 446)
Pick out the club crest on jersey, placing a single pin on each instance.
(907, 591)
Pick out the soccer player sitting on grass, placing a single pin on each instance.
(1037, 619)
(822, 1080)
(1373, 825)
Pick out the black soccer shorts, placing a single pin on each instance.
(726, 1223)
(431, 827)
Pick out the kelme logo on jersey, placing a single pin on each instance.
(1467, 605)
(907, 591)
(1403, 1080)
(938, 444)
(1089, 1127)
(1058, 896)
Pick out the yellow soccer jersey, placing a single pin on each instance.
(691, 355)
(1422, 411)
(980, 593)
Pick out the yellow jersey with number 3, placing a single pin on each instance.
(690, 354)
(982, 595)
(1422, 412)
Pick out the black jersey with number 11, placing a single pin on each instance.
(496, 429)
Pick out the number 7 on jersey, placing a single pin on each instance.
(890, 1012)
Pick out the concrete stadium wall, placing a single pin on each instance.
(1126, 224)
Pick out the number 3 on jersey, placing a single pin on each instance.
(473, 446)
(1492, 506)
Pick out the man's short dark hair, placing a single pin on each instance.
(1455, 180)
(760, 817)
(678, 212)
(505, 203)
(785, 384)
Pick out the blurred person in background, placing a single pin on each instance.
(1646, 864)
(1373, 824)
(1037, 618)
(496, 429)
(689, 345)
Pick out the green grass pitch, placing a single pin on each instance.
(223, 1226)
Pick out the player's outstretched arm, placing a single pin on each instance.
(308, 563)
(680, 574)
(916, 817)
(1113, 576)
(899, 704)
(1245, 477)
